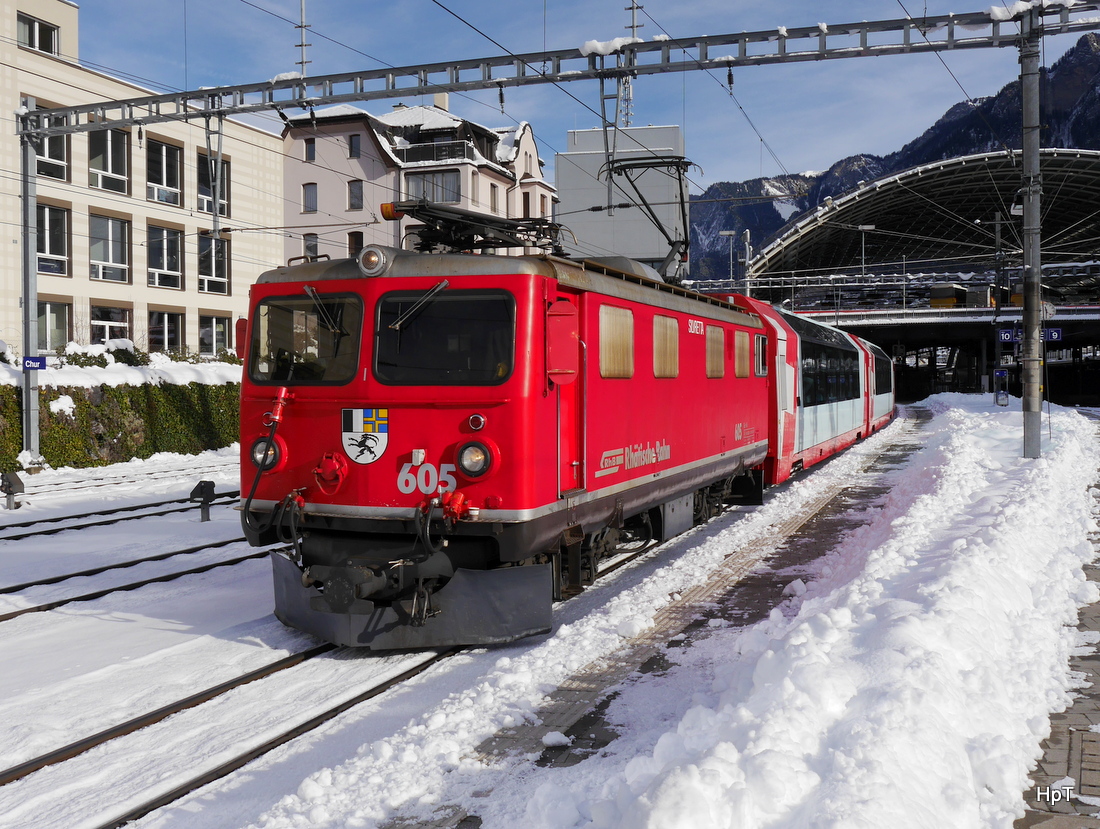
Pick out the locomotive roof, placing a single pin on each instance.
(615, 276)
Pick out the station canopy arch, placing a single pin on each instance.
(939, 219)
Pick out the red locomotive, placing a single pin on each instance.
(451, 440)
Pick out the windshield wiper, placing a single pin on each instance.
(420, 303)
(323, 314)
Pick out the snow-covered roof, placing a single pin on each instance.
(425, 117)
(335, 111)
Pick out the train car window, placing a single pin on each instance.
(829, 374)
(666, 347)
(456, 338)
(616, 342)
(742, 357)
(760, 352)
(884, 372)
(306, 340)
(716, 351)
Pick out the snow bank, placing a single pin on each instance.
(912, 685)
(161, 369)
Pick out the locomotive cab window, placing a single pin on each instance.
(445, 337)
(306, 340)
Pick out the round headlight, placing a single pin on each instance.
(474, 459)
(265, 454)
(372, 260)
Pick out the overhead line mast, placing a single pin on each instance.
(937, 33)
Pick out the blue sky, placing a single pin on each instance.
(810, 114)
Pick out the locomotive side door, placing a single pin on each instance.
(564, 368)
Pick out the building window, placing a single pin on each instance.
(109, 248)
(109, 324)
(666, 347)
(616, 342)
(527, 205)
(355, 242)
(165, 262)
(53, 152)
(440, 187)
(310, 149)
(54, 325)
(716, 351)
(309, 245)
(37, 34)
(214, 335)
(107, 154)
(165, 331)
(53, 240)
(163, 166)
(494, 198)
(355, 145)
(206, 185)
(355, 195)
(213, 265)
(309, 198)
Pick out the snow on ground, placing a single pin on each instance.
(907, 685)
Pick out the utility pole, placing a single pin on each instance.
(302, 62)
(1031, 33)
(28, 146)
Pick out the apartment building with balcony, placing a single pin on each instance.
(126, 246)
(342, 163)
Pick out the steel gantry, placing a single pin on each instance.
(1021, 26)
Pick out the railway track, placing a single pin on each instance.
(122, 588)
(109, 479)
(312, 719)
(317, 719)
(220, 499)
(78, 747)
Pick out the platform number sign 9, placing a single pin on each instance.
(426, 478)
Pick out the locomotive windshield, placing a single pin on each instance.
(450, 338)
(306, 340)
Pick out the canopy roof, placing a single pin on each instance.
(941, 219)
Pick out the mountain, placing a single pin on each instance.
(1070, 115)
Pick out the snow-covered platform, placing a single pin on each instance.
(1066, 794)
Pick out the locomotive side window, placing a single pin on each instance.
(306, 340)
(616, 342)
(761, 354)
(716, 351)
(445, 338)
(666, 347)
(742, 357)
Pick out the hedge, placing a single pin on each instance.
(110, 424)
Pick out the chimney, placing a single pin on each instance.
(443, 101)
